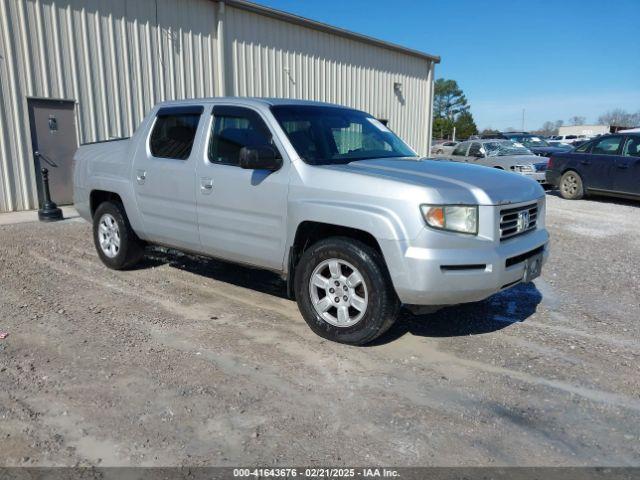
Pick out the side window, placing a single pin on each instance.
(233, 129)
(173, 133)
(460, 150)
(474, 151)
(632, 147)
(584, 148)
(607, 146)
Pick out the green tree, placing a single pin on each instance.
(451, 109)
(465, 125)
(448, 99)
(442, 127)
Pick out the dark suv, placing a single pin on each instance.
(607, 165)
(536, 144)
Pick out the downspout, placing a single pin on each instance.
(430, 106)
(221, 44)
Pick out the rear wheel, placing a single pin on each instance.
(344, 291)
(571, 186)
(117, 244)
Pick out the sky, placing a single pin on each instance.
(554, 59)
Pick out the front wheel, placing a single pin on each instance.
(571, 186)
(344, 291)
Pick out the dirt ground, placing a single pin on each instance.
(188, 361)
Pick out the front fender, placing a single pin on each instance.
(383, 224)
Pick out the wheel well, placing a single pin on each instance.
(100, 196)
(309, 233)
(570, 169)
(499, 168)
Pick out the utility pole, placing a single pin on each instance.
(523, 119)
(454, 134)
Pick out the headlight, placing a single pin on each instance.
(454, 218)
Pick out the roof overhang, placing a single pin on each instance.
(324, 27)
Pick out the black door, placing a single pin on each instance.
(597, 169)
(53, 135)
(626, 177)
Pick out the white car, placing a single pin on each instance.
(566, 139)
(444, 148)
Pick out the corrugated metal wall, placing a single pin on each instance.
(117, 58)
(268, 57)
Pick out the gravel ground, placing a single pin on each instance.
(187, 361)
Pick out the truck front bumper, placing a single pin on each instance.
(444, 276)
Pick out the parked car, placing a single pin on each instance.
(501, 154)
(354, 220)
(443, 148)
(607, 165)
(566, 139)
(534, 143)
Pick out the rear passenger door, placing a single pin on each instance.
(241, 213)
(164, 171)
(597, 168)
(627, 171)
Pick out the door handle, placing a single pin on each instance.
(623, 165)
(585, 162)
(141, 176)
(206, 186)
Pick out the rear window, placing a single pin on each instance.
(173, 135)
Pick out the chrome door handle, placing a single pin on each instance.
(206, 186)
(141, 176)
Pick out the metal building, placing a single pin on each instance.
(77, 71)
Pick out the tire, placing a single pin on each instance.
(571, 186)
(116, 243)
(371, 303)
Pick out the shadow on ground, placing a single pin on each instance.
(495, 313)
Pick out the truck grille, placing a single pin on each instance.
(519, 220)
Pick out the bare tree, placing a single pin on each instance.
(619, 118)
(576, 120)
(548, 128)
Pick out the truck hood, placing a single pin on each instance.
(450, 182)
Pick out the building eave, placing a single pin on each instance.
(324, 27)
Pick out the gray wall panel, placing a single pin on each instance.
(117, 58)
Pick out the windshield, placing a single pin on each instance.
(333, 135)
(499, 149)
(530, 141)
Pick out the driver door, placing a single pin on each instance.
(241, 213)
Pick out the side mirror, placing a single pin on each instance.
(260, 158)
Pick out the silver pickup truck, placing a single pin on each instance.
(354, 220)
